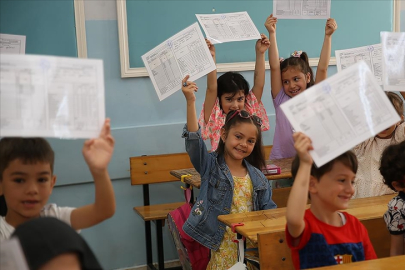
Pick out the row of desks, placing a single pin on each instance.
(267, 229)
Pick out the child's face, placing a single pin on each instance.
(335, 188)
(26, 189)
(387, 133)
(236, 102)
(240, 140)
(294, 81)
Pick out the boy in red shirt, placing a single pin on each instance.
(322, 235)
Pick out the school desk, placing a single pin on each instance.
(379, 264)
(267, 229)
(195, 180)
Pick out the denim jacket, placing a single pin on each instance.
(216, 192)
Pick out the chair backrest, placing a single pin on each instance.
(156, 168)
(267, 150)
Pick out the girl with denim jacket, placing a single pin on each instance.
(231, 181)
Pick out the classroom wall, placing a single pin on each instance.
(141, 125)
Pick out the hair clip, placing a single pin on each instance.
(281, 59)
(296, 53)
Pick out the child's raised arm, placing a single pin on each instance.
(322, 69)
(297, 199)
(97, 154)
(188, 89)
(262, 45)
(212, 86)
(274, 61)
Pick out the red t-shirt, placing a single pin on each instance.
(322, 244)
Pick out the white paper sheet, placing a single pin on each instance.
(12, 44)
(393, 49)
(185, 53)
(51, 96)
(301, 9)
(341, 112)
(227, 27)
(372, 55)
(12, 256)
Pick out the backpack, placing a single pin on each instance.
(192, 255)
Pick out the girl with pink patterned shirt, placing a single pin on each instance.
(231, 92)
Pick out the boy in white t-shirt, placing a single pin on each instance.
(27, 180)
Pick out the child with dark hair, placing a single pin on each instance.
(369, 181)
(27, 181)
(49, 243)
(231, 91)
(289, 78)
(393, 171)
(323, 235)
(231, 179)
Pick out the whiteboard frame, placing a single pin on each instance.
(80, 24)
(128, 72)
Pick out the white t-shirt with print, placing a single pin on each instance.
(49, 210)
(369, 181)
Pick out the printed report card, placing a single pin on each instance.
(393, 50)
(301, 9)
(185, 53)
(341, 112)
(372, 55)
(50, 96)
(227, 27)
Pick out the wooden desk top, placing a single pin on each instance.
(274, 220)
(378, 264)
(195, 179)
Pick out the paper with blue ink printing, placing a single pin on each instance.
(185, 53)
(301, 9)
(371, 54)
(393, 50)
(341, 112)
(228, 27)
(48, 96)
(12, 44)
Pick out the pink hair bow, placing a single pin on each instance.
(296, 53)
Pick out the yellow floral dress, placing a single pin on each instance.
(227, 254)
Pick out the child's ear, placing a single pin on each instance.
(395, 184)
(312, 184)
(223, 135)
(53, 181)
(308, 77)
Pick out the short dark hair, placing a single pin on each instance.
(231, 83)
(256, 158)
(348, 159)
(301, 63)
(29, 150)
(392, 166)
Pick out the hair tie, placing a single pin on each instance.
(281, 59)
(296, 53)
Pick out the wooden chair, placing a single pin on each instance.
(155, 169)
